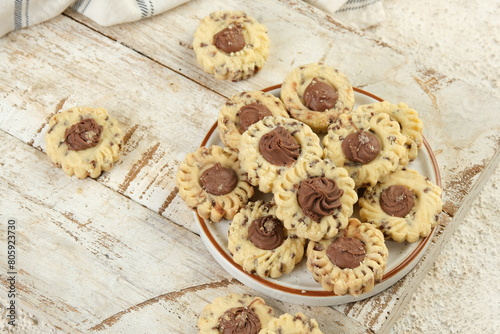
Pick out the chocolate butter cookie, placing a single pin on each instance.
(317, 94)
(315, 199)
(243, 110)
(352, 262)
(210, 180)
(231, 45)
(259, 242)
(369, 146)
(273, 145)
(404, 205)
(84, 141)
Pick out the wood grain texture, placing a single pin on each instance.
(121, 252)
(147, 100)
(462, 142)
(87, 253)
(99, 262)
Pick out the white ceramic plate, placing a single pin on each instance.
(299, 287)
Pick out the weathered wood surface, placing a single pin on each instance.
(121, 253)
(95, 261)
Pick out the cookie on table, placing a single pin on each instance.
(260, 243)
(404, 205)
(273, 145)
(317, 94)
(292, 324)
(411, 125)
(243, 110)
(231, 45)
(352, 262)
(235, 313)
(210, 180)
(84, 141)
(315, 199)
(368, 145)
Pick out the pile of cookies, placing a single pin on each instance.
(309, 150)
(236, 313)
(314, 157)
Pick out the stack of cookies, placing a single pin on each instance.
(290, 173)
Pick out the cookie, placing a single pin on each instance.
(235, 313)
(210, 180)
(317, 94)
(292, 324)
(405, 205)
(84, 141)
(231, 45)
(243, 110)
(315, 199)
(409, 122)
(352, 262)
(260, 243)
(368, 145)
(273, 145)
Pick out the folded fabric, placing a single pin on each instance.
(359, 13)
(110, 12)
(17, 14)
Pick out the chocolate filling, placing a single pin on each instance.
(82, 135)
(397, 201)
(252, 113)
(346, 252)
(279, 147)
(218, 180)
(319, 96)
(239, 320)
(266, 232)
(319, 197)
(361, 147)
(230, 39)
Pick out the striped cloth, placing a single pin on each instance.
(17, 14)
(359, 13)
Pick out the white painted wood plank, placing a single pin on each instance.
(464, 140)
(84, 251)
(162, 113)
(299, 34)
(95, 261)
(184, 307)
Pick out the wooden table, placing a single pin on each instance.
(121, 254)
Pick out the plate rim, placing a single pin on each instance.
(416, 253)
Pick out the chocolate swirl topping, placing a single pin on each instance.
(319, 197)
(218, 180)
(252, 113)
(230, 39)
(346, 252)
(319, 96)
(361, 147)
(397, 201)
(267, 232)
(82, 135)
(239, 320)
(279, 147)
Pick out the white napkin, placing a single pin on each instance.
(17, 14)
(359, 13)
